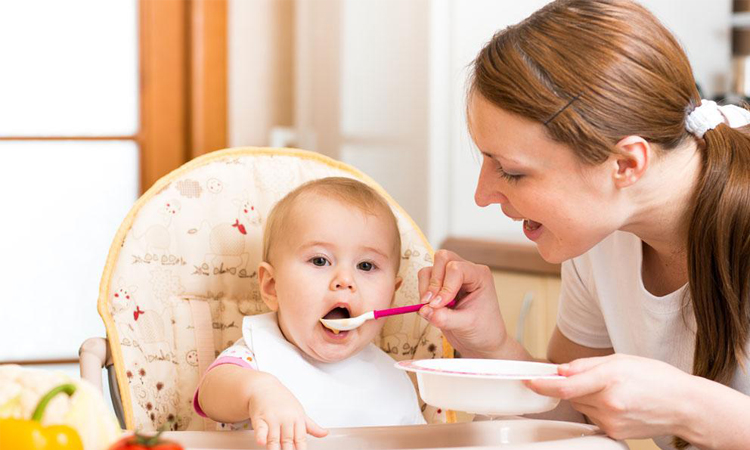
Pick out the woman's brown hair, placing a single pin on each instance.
(596, 71)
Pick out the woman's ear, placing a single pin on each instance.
(267, 285)
(631, 160)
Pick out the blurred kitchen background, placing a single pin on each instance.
(98, 99)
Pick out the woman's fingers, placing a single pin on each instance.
(453, 279)
(584, 377)
(437, 273)
(445, 318)
(423, 283)
(475, 325)
(450, 274)
(460, 276)
(582, 365)
(590, 411)
(573, 386)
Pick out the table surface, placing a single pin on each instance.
(518, 434)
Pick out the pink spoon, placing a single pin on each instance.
(354, 322)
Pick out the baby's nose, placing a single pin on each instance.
(343, 281)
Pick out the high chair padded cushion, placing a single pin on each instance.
(196, 236)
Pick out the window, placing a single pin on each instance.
(98, 101)
(69, 120)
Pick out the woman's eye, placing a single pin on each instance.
(508, 176)
(365, 266)
(319, 261)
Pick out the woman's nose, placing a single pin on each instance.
(343, 280)
(487, 191)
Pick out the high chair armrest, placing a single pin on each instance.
(93, 356)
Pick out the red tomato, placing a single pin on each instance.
(141, 442)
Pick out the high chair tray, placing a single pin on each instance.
(518, 434)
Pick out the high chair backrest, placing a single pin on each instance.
(181, 274)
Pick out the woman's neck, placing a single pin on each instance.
(662, 205)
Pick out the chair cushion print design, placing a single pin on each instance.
(181, 274)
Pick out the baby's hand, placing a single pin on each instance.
(278, 418)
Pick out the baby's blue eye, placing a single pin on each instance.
(319, 261)
(366, 266)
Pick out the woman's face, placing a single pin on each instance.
(566, 206)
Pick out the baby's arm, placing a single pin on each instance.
(224, 394)
(230, 393)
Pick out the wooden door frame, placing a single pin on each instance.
(183, 67)
(164, 113)
(208, 76)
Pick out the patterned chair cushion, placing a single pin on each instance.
(194, 239)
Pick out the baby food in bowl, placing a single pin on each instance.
(482, 386)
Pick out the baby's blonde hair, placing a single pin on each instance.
(346, 190)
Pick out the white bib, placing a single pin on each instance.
(362, 390)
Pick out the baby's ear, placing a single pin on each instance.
(267, 285)
(399, 281)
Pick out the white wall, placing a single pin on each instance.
(703, 29)
(470, 24)
(380, 84)
(384, 96)
(351, 78)
(362, 90)
(260, 69)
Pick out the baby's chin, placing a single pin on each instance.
(333, 353)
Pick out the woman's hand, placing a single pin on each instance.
(628, 397)
(475, 326)
(278, 418)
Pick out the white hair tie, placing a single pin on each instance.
(709, 115)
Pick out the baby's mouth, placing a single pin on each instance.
(339, 312)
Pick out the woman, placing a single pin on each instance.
(593, 133)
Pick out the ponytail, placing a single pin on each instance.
(719, 256)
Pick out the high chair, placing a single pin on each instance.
(181, 274)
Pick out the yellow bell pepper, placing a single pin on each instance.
(19, 434)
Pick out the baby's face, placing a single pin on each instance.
(334, 261)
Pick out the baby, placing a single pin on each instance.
(331, 249)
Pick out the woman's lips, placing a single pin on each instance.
(530, 225)
(532, 229)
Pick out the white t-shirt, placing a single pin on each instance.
(603, 303)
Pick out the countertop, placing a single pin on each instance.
(516, 434)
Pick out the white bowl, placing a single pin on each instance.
(482, 386)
